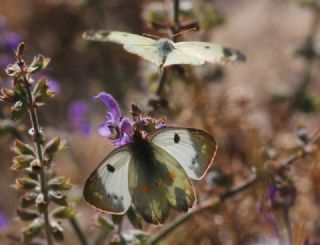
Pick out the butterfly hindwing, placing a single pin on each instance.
(194, 149)
(157, 183)
(210, 52)
(106, 188)
(177, 57)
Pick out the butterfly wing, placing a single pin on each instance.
(194, 149)
(210, 52)
(177, 56)
(136, 44)
(157, 183)
(107, 188)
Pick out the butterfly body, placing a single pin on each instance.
(152, 173)
(164, 52)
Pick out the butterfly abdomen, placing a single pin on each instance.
(143, 152)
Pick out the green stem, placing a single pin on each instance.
(161, 80)
(78, 231)
(38, 143)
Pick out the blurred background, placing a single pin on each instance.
(259, 106)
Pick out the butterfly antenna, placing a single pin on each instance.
(179, 33)
(150, 35)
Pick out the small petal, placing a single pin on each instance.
(124, 139)
(126, 127)
(111, 103)
(159, 126)
(105, 131)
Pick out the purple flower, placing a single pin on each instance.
(9, 40)
(3, 221)
(116, 127)
(54, 85)
(78, 117)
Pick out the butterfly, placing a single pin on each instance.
(153, 173)
(164, 52)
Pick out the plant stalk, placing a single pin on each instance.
(38, 143)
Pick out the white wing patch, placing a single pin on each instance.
(107, 187)
(211, 52)
(178, 56)
(192, 148)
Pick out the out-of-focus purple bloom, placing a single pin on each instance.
(3, 221)
(11, 40)
(53, 84)
(116, 127)
(78, 117)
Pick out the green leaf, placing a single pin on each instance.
(52, 147)
(18, 109)
(22, 162)
(57, 231)
(104, 223)
(59, 184)
(63, 213)
(117, 219)
(21, 148)
(32, 230)
(58, 198)
(134, 219)
(28, 199)
(25, 214)
(136, 237)
(7, 95)
(13, 70)
(39, 63)
(41, 92)
(26, 184)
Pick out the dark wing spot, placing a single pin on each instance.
(110, 168)
(176, 138)
(125, 35)
(227, 52)
(115, 197)
(207, 47)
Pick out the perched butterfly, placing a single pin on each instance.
(152, 173)
(164, 52)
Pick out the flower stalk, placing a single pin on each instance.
(37, 141)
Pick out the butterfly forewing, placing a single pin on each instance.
(107, 187)
(194, 149)
(136, 44)
(157, 183)
(210, 52)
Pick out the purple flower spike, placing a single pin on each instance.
(78, 113)
(113, 116)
